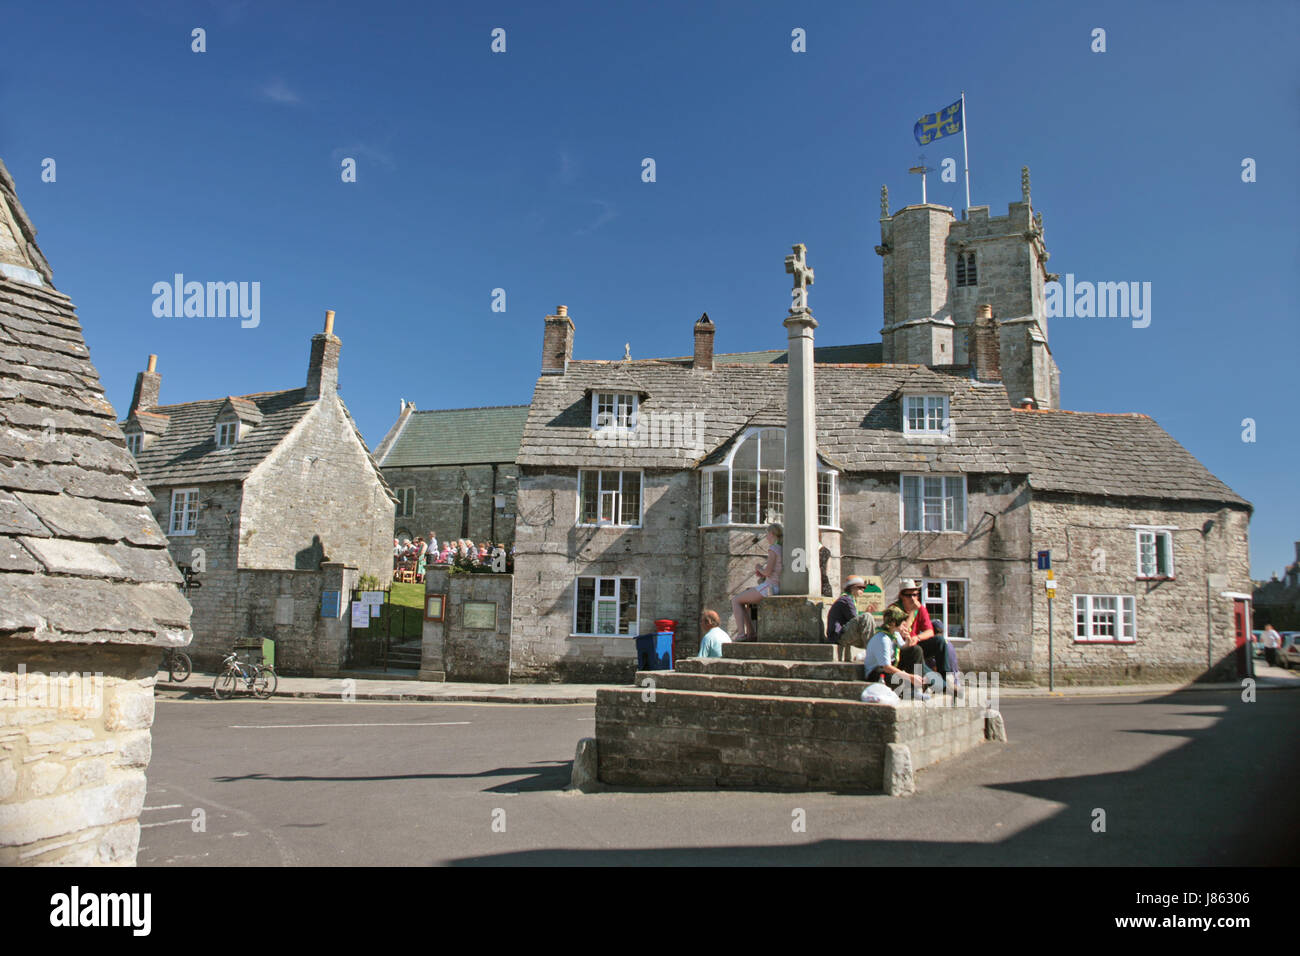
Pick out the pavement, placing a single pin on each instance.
(334, 688)
(1184, 779)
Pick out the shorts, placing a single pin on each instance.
(768, 589)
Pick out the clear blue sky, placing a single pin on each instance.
(522, 171)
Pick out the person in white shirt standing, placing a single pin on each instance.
(1272, 641)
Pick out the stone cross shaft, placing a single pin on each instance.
(800, 573)
(797, 266)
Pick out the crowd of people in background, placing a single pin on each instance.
(418, 554)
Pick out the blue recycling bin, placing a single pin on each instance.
(654, 652)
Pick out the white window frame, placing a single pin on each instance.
(616, 495)
(624, 408)
(726, 466)
(1155, 533)
(944, 598)
(946, 512)
(188, 513)
(227, 434)
(134, 442)
(927, 403)
(405, 501)
(633, 626)
(1125, 612)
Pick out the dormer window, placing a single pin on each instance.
(613, 410)
(133, 442)
(227, 434)
(925, 414)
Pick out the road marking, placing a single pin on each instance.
(166, 823)
(167, 806)
(441, 723)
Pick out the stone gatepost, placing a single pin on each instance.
(437, 585)
(332, 631)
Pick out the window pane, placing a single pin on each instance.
(955, 624)
(1164, 556)
(771, 500)
(744, 497)
(746, 458)
(1081, 616)
(627, 611)
(825, 498)
(606, 616)
(911, 503)
(607, 587)
(957, 498)
(915, 410)
(609, 506)
(586, 601)
(721, 510)
(631, 503)
(588, 490)
(1128, 627)
(1146, 553)
(772, 449)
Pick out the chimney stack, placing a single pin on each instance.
(147, 385)
(984, 347)
(704, 329)
(323, 367)
(557, 342)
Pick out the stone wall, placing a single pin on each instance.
(439, 497)
(991, 556)
(696, 739)
(72, 762)
(453, 651)
(317, 497)
(1094, 551)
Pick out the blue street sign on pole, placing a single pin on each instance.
(1044, 560)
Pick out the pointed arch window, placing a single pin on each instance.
(464, 517)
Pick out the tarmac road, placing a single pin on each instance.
(1192, 778)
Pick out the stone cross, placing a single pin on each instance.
(799, 568)
(797, 266)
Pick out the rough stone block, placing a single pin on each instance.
(994, 726)
(898, 778)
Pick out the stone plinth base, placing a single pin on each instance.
(792, 619)
(686, 738)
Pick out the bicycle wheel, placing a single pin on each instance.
(264, 683)
(180, 667)
(224, 686)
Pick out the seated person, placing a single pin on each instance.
(713, 634)
(891, 660)
(919, 630)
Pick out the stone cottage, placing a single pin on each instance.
(269, 499)
(88, 592)
(644, 485)
(453, 471)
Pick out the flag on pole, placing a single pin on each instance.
(934, 126)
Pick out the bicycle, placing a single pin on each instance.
(177, 664)
(259, 679)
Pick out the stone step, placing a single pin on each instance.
(762, 686)
(778, 652)
(782, 669)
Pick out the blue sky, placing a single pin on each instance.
(522, 171)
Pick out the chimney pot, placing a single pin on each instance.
(561, 310)
(329, 321)
(986, 311)
(153, 363)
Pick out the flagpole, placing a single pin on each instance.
(965, 152)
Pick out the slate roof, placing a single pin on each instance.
(859, 416)
(458, 436)
(865, 353)
(187, 451)
(1116, 455)
(81, 557)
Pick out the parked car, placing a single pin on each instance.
(1288, 655)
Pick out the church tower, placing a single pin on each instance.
(939, 271)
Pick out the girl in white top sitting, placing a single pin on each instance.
(769, 578)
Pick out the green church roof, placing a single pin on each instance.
(457, 436)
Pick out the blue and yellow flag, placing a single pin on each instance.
(934, 126)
